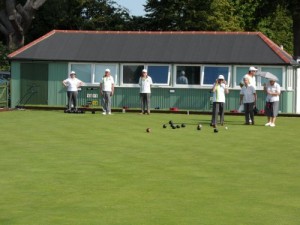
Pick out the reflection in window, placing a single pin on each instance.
(132, 73)
(188, 75)
(211, 73)
(159, 74)
(83, 72)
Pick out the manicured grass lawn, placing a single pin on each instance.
(86, 169)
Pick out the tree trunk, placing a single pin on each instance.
(16, 19)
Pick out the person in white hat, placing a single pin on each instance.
(248, 99)
(219, 90)
(107, 85)
(273, 91)
(72, 84)
(145, 83)
(252, 80)
(251, 77)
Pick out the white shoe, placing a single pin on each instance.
(272, 125)
(109, 113)
(104, 113)
(268, 124)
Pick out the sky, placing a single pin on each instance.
(135, 7)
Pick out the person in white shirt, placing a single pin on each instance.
(273, 91)
(219, 90)
(251, 77)
(145, 83)
(252, 80)
(248, 98)
(107, 91)
(72, 84)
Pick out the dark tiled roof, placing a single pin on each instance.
(155, 47)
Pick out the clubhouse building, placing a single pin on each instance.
(38, 68)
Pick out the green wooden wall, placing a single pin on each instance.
(164, 98)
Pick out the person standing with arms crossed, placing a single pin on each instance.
(219, 90)
(145, 83)
(72, 84)
(273, 91)
(107, 85)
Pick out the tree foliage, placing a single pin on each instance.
(220, 21)
(273, 18)
(278, 27)
(177, 15)
(79, 15)
(278, 19)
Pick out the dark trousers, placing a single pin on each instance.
(72, 99)
(218, 108)
(249, 113)
(145, 102)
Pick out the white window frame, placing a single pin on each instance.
(174, 83)
(236, 83)
(258, 78)
(282, 86)
(109, 66)
(146, 66)
(92, 76)
(208, 65)
(122, 74)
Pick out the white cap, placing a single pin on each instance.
(221, 77)
(72, 72)
(252, 68)
(144, 71)
(107, 70)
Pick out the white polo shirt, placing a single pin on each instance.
(145, 84)
(273, 89)
(72, 84)
(107, 83)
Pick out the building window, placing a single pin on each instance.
(240, 73)
(83, 72)
(188, 75)
(100, 71)
(278, 72)
(131, 73)
(211, 73)
(160, 74)
(91, 74)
